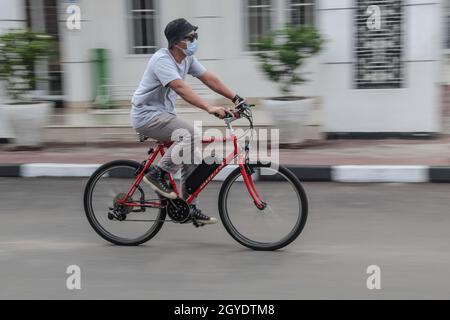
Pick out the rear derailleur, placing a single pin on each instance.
(120, 212)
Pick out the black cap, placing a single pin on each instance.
(177, 29)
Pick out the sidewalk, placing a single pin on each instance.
(332, 152)
(333, 160)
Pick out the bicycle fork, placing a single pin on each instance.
(247, 172)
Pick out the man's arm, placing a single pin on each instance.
(216, 85)
(189, 95)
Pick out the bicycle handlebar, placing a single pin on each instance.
(243, 110)
(238, 112)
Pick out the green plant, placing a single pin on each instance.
(19, 52)
(284, 51)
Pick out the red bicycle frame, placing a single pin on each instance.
(160, 150)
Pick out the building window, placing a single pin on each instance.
(143, 18)
(301, 12)
(379, 45)
(42, 16)
(259, 19)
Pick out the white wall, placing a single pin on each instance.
(75, 53)
(104, 25)
(12, 14)
(414, 108)
(224, 52)
(221, 49)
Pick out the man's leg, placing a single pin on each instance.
(164, 127)
(181, 155)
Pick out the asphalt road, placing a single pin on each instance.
(404, 229)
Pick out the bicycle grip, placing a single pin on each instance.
(227, 115)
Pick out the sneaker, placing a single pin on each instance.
(156, 178)
(200, 218)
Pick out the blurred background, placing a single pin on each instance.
(375, 108)
(387, 80)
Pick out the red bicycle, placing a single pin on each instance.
(262, 206)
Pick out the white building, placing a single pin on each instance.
(362, 89)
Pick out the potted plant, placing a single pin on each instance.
(281, 54)
(20, 50)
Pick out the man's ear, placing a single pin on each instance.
(179, 44)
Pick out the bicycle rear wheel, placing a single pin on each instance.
(121, 225)
(274, 227)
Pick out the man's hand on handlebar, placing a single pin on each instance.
(221, 112)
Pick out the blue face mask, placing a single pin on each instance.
(191, 48)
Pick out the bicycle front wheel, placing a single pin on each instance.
(275, 226)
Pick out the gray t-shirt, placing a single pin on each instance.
(153, 97)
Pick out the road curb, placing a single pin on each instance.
(409, 174)
(373, 173)
(10, 170)
(440, 174)
(341, 173)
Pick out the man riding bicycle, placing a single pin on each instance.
(153, 111)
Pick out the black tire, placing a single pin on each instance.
(259, 245)
(91, 216)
